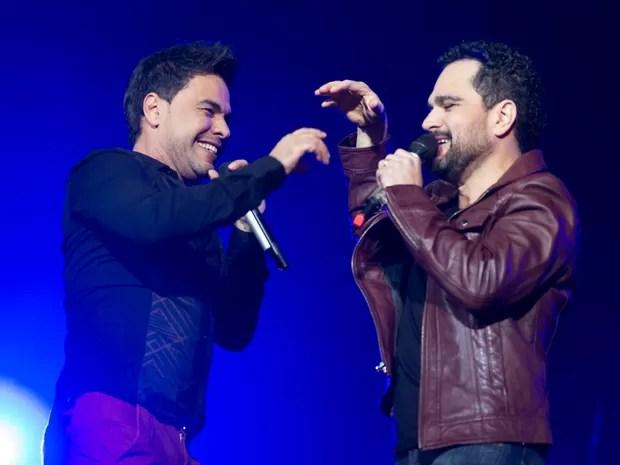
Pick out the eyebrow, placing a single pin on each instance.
(441, 100)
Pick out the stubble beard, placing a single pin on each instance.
(460, 159)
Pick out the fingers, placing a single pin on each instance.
(334, 87)
(322, 152)
(213, 174)
(311, 141)
(296, 144)
(326, 88)
(311, 132)
(400, 167)
(262, 207)
(237, 164)
(360, 104)
(317, 145)
(398, 160)
(401, 155)
(374, 103)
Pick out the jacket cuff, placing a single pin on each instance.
(408, 196)
(270, 170)
(360, 160)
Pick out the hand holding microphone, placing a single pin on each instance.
(402, 167)
(363, 107)
(254, 220)
(405, 167)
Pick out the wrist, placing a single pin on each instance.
(371, 134)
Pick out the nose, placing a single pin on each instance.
(220, 127)
(431, 121)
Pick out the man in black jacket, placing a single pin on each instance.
(149, 288)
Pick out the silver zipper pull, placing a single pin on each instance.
(381, 368)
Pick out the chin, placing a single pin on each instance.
(200, 170)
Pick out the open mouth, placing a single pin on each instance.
(442, 143)
(209, 147)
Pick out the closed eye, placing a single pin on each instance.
(208, 111)
(446, 101)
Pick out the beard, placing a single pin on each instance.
(461, 156)
(190, 162)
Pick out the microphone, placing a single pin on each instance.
(260, 230)
(266, 240)
(424, 147)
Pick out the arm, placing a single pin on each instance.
(359, 166)
(359, 152)
(530, 242)
(112, 191)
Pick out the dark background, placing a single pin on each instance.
(305, 391)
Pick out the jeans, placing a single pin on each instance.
(98, 429)
(478, 454)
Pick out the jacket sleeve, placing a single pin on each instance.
(529, 241)
(360, 167)
(241, 291)
(112, 191)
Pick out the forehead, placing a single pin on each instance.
(456, 80)
(206, 88)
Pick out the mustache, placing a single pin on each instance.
(439, 134)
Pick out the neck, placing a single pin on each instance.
(486, 173)
(154, 150)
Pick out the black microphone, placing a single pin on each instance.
(258, 226)
(424, 147)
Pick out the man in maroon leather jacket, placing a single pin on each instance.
(466, 278)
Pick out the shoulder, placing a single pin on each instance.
(110, 156)
(545, 185)
(104, 163)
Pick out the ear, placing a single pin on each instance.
(152, 107)
(504, 116)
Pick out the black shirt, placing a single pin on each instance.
(406, 381)
(148, 285)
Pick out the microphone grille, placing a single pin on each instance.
(425, 147)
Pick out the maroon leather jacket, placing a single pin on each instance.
(498, 275)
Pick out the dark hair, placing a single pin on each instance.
(166, 72)
(506, 74)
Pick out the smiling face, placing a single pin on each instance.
(192, 127)
(459, 121)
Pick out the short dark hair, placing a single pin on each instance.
(167, 71)
(506, 74)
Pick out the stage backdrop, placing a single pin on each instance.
(305, 391)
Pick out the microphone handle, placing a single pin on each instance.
(259, 228)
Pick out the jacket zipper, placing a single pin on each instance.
(422, 376)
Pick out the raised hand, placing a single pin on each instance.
(293, 146)
(361, 105)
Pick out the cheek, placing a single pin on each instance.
(192, 124)
(492, 127)
(453, 130)
(206, 123)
